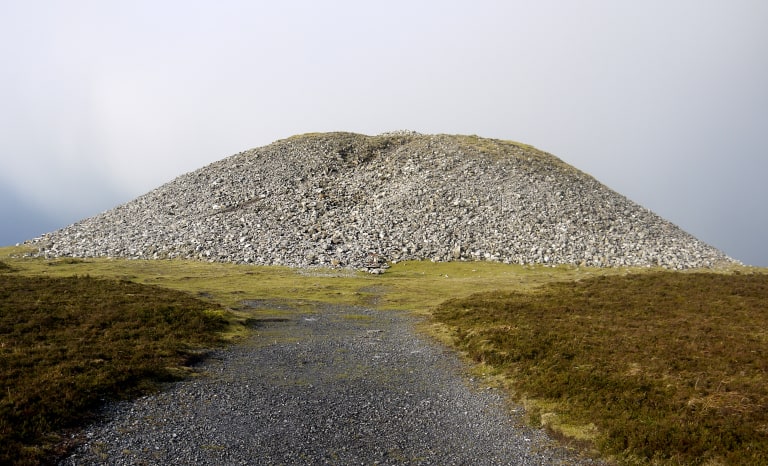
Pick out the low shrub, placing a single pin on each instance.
(68, 344)
(671, 367)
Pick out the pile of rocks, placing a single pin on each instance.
(350, 200)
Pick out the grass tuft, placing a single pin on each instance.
(668, 368)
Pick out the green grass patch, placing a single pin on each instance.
(663, 368)
(414, 285)
(69, 343)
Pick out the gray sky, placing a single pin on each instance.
(663, 101)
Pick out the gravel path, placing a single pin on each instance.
(333, 385)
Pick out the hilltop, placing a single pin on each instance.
(350, 200)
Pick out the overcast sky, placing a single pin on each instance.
(664, 101)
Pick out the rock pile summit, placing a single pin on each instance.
(350, 200)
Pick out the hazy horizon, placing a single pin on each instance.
(664, 102)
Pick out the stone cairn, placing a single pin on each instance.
(356, 201)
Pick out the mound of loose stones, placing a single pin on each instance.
(351, 200)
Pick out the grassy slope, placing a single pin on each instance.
(423, 286)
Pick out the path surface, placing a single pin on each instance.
(334, 385)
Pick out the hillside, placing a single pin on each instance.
(342, 199)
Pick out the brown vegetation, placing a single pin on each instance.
(66, 344)
(663, 367)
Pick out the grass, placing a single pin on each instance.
(5, 268)
(645, 366)
(416, 286)
(67, 344)
(666, 368)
